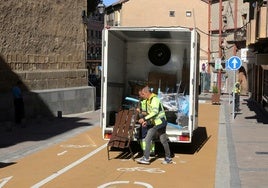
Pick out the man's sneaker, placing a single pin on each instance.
(143, 160)
(167, 160)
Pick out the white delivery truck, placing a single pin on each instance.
(165, 58)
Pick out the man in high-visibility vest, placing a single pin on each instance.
(236, 92)
(157, 123)
(142, 110)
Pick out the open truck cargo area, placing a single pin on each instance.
(165, 58)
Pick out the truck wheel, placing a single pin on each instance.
(159, 54)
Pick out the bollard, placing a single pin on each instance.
(59, 114)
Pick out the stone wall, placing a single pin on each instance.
(42, 43)
(46, 103)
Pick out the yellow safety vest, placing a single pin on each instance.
(236, 89)
(143, 105)
(155, 110)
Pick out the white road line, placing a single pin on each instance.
(90, 140)
(4, 181)
(62, 153)
(53, 176)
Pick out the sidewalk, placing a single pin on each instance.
(242, 157)
(40, 133)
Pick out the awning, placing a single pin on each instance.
(265, 67)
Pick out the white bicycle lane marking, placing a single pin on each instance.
(142, 169)
(62, 153)
(76, 146)
(4, 181)
(60, 172)
(124, 182)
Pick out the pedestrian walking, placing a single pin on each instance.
(18, 102)
(156, 123)
(236, 92)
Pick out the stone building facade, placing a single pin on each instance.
(43, 44)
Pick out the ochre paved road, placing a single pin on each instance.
(80, 162)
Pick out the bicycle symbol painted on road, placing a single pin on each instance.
(142, 169)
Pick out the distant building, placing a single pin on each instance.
(94, 42)
(228, 36)
(257, 51)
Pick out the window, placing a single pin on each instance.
(188, 13)
(171, 13)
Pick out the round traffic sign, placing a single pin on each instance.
(234, 63)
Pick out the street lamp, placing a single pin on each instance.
(101, 7)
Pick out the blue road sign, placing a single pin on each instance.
(234, 63)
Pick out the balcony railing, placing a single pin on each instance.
(94, 56)
(257, 28)
(251, 32)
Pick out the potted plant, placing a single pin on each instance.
(215, 98)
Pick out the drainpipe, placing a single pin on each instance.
(220, 44)
(209, 32)
(235, 26)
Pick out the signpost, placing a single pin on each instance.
(218, 67)
(234, 63)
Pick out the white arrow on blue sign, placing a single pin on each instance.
(234, 63)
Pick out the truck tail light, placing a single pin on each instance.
(183, 138)
(107, 135)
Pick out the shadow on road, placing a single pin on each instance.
(3, 165)
(199, 140)
(40, 129)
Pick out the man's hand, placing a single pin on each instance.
(143, 122)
